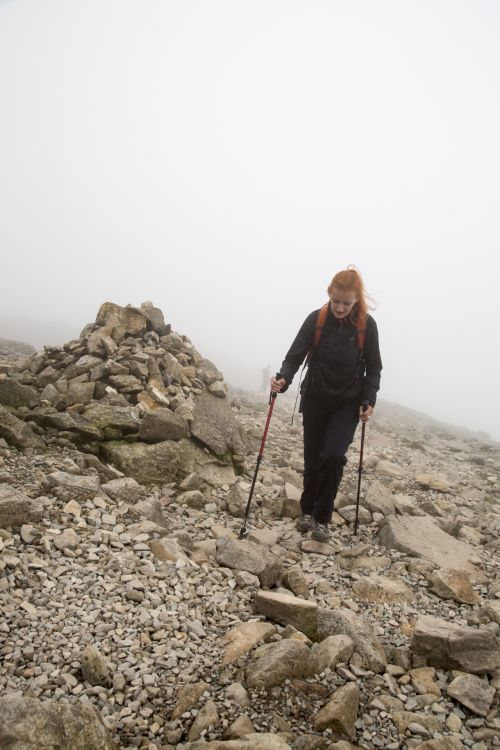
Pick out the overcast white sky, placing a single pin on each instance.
(225, 158)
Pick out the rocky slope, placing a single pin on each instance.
(12, 350)
(134, 617)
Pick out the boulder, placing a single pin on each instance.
(131, 319)
(16, 394)
(348, 513)
(207, 717)
(419, 536)
(448, 583)
(236, 500)
(333, 650)
(73, 486)
(274, 663)
(124, 489)
(162, 424)
(80, 393)
(254, 741)
(472, 692)
(379, 499)
(243, 638)
(16, 508)
(340, 713)
(187, 697)
(123, 418)
(30, 724)
(215, 425)
(345, 622)
(18, 433)
(288, 610)
(295, 580)
(254, 558)
(441, 743)
(156, 321)
(443, 644)
(375, 588)
(166, 461)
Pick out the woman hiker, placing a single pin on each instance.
(340, 387)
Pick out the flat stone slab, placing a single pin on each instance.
(473, 692)
(443, 644)
(243, 638)
(419, 536)
(288, 610)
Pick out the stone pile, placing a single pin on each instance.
(130, 390)
(135, 613)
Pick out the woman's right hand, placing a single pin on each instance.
(277, 385)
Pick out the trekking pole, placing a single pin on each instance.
(272, 399)
(360, 470)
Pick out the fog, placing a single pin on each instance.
(224, 159)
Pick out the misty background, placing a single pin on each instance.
(224, 159)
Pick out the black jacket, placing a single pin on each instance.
(338, 372)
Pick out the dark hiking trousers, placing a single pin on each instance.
(327, 435)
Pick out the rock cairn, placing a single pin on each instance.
(130, 390)
(134, 617)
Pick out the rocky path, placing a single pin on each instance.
(138, 614)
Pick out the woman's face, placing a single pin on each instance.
(341, 302)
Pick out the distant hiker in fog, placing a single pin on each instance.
(266, 372)
(340, 342)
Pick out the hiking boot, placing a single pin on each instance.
(320, 532)
(304, 523)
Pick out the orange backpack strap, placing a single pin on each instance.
(320, 322)
(361, 330)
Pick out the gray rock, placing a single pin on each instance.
(254, 558)
(443, 644)
(156, 321)
(236, 501)
(29, 724)
(335, 649)
(420, 537)
(162, 424)
(16, 432)
(206, 717)
(345, 622)
(348, 512)
(123, 489)
(274, 663)
(245, 637)
(340, 713)
(123, 418)
(73, 486)
(473, 692)
(288, 610)
(255, 741)
(215, 426)
(453, 584)
(166, 461)
(187, 697)
(16, 394)
(16, 508)
(80, 393)
(94, 667)
(131, 319)
(375, 588)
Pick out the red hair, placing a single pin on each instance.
(350, 281)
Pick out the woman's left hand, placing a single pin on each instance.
(365, 415)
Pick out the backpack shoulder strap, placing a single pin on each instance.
(320, 322)
(361, 330)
